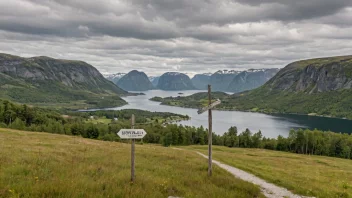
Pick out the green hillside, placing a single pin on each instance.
(53, 82)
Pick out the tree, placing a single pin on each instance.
(92, 132)
(167, 140)
(18, 124)
(245, 139)
(257, 139)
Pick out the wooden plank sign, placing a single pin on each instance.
(131, 133)
(211, 106)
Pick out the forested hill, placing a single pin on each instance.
(48, 80)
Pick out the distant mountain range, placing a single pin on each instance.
(52, 81)
(251, 79)
(234, 81)
(222, 80)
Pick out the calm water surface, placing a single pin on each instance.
(270, 125)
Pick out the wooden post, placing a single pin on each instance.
(210, 136)
(132, 150)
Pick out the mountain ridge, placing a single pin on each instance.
(48, 80)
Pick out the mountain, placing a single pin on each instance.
(315, 75)
(320, 86)
(221, 79)
(135, 81)
(114, 77)
(154, 80)
(201, 81)
(175, 81)
(251, 79)
(52, 81)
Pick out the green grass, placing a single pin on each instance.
(48, 165)
(307, 175)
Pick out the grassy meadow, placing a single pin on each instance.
(48, 165)
(302, 174)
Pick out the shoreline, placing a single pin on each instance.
(267, 113)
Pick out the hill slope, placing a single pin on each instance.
(317, 86)
(42, 164)
(135, 81)
(48, 80)
(175, 81)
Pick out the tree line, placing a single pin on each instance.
(313, 142)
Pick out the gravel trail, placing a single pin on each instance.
(268, 189)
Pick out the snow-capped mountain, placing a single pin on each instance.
(251, 79)
(154, 80)
(114, 77)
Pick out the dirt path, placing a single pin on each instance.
(268, 189)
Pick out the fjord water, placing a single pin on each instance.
(270, 125)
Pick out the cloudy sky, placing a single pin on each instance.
(191, 36)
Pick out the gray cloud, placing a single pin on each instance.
(177, 35)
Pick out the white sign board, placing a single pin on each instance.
(131, 133)
(212, 105)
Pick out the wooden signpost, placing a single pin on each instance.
(132, 134)
(210, 122)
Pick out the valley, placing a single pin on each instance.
(259, 141)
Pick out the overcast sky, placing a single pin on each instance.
(190, 36)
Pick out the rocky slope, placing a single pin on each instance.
(251, 79)
(44, 79)
(175, 81)
(201, 81)
(221, 79)
(135, 81)
(315, 75)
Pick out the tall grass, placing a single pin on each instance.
(49, 165)
(307, 175)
